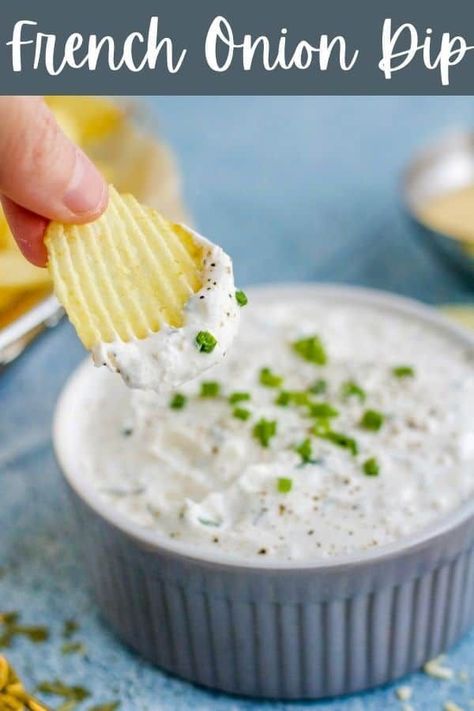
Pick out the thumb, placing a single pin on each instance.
(41, 170)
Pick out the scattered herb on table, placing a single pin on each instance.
(70, 627)
(371, 467)
(311, 349)
(264, 430)
(11, 628)
(270, 379)
(73, 648)
(372, 420)
(241, 297)
(58, 688)
(178, 401)
(206, 342)
(112, 706)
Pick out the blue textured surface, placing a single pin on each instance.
(295, 189)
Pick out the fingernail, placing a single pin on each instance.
(86, 189)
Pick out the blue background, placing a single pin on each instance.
(295, 189)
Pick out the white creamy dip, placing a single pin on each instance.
(200, 475)
(171, 356)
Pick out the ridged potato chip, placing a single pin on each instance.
(125, 275)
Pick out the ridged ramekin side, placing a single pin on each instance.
(282, 633)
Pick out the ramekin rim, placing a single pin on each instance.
(152, 539)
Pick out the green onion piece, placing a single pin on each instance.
(205, 342)
(323, 409)
(337, 438)
(269, 379)
(372, 420)
(311, 349)
(321, 427)
(305, 450)
(238, 397)
(241, 413)
(210, 388)
(403, 371)
(319, 387)
(283, 398)
(178, 401)
(241, 297)
(351, 389)
(111, 706)
(264, 430)
(299, 398)
(371, 467)
(284, 485)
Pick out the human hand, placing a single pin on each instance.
(43, 175)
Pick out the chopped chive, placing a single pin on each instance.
(238, 397)
(323, 409)
(178, 401)
(337, 438)
(372, 420)
(403, 371)
(241, 413)
(351, 389)
(305, 450)
(205, 342)
(284, 485)
(299, 398)
(311, 349)
(321, 427)
(241, 297)
(210, 388)
(264, 430)
(319, 387)
(111, 706)
(283, 398)
(269, 379)
(371, 467)
(209, 522)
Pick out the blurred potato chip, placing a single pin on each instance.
(87, 118)
(124, 275)
(17, 274)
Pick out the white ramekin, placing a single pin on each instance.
(278, 629)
